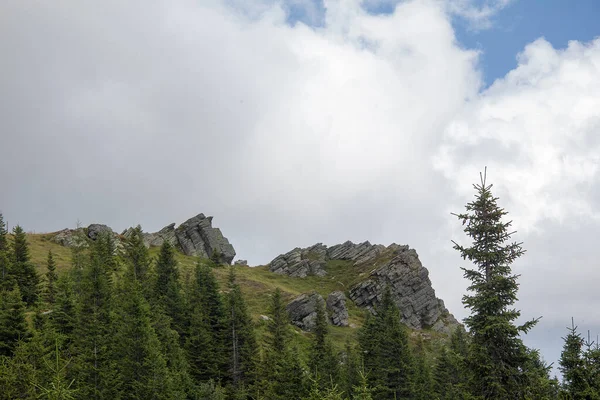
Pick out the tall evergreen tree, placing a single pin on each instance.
(572, 366)
(351, 373)
(51, 278)
(241, 342)
(322, 361)
(205, 341)
(137, 256)
(136, 351)
(13, 327)
(3, 235)
(497, 353)
(22, 268)
(167, 294)
(387, 357)
(64, 315)
(281, 373)
(92, 332)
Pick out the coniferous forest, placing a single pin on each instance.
(122, 324)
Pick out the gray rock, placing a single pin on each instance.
(301, 263)
(411, 289)
(95, 230)
(166, 234)
(241, 262)
(359, 253)
(197, 237)
(336, 307)
(70, 238)
(303, 310)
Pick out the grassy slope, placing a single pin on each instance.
(257, 283)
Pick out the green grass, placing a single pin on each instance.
(257, 284)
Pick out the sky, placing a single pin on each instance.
(296, 122)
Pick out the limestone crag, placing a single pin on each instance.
(336, 308)
(301, 263)
(411, 289)
(303, 310)
(95, 230)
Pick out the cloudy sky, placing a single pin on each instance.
(301, 121)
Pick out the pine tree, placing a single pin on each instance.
(351, 373)
(13, 327)
(281, 374)
(361, 391)
(206, 337)
(51, 278)
(241, 341)
(3, 235)
(63, 316)
(23, 270)
(137, 256)
(497, 353)
(92, 333)
(572, 366)
(322, 362)
(423, 379)
(386, 353)
(167, 294)
(136, 351)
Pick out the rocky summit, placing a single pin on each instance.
(194, 237)
(411, 289)
(395, 266)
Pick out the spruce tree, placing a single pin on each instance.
(22, 268)
(241, 341)
(351, 373)
(7, 281)
(13, 327)
(322, 362)
(3, 235)
(64, 315)
(51, 278)
(136, 351)
(497, 356)
(167, 293)
(137, 256)
(572, 366)
(387, 357)
(92, 333)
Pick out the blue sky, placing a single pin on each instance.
(513, 27)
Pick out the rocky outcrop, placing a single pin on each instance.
(243, 263)
(336, 308)
(70, 238)
(303, 310)
(301, 262)
(195, 237)
(411, 289)
(95, 230)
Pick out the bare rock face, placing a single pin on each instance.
(197, 237)
(95, 230)
(336, 308)
(70, 238)
(303, 310)
(301, 263)
(411, 289)
(359, 253)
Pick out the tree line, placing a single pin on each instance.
(120, 324)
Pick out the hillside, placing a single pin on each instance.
(343, 268)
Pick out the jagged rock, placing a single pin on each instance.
(411, 289)
(336, 307)
(359, 253)
(241, 262)
(95, 230)
(301, 262)
(70, 238)
(166, 234)
(303, 310)
(197, 237)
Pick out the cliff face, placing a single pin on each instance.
(401, 271)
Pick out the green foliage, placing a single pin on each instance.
(497, 356)
(23, 269)
(322, 361)
(167, 294)
(58, 387)
(137, 257)
(51, 278)
(579, 368)
(3, 235)
(63, 316)
(13, 327)
(387, 357)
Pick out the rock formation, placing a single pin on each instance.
(301, 263)
(336, 308)
(194, 237)
(411, 289)
(303, 310)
